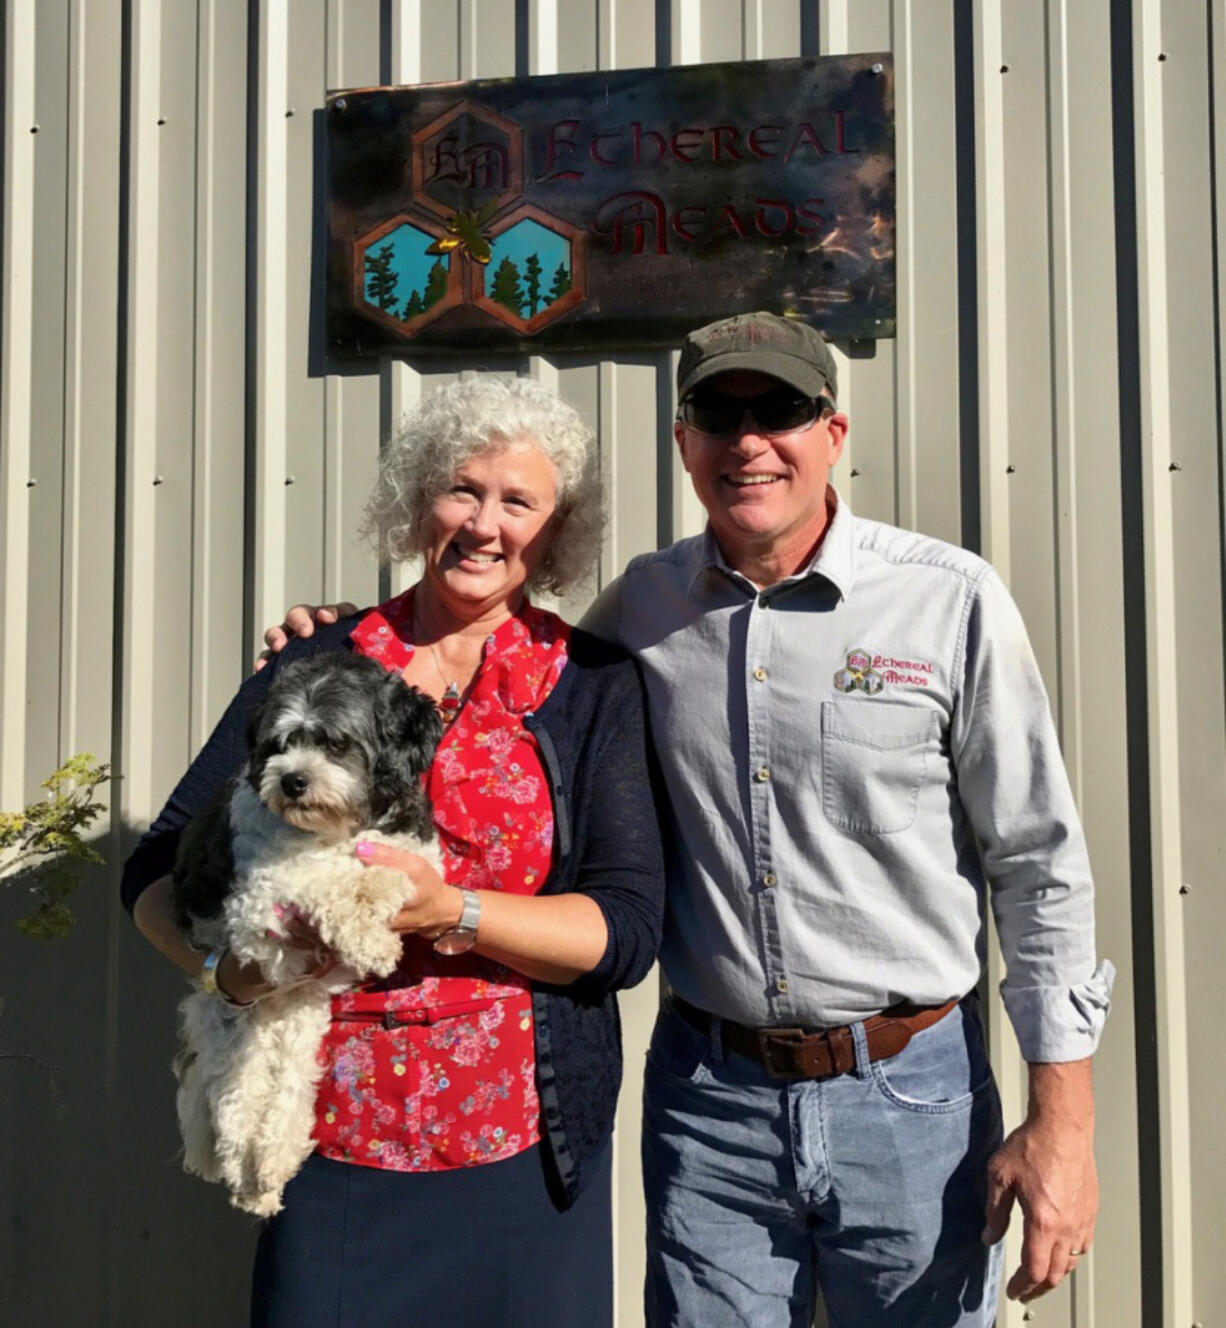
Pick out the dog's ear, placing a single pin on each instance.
(254, 720)
(409, 730)
(204, 864)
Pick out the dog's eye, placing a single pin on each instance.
(338, 745)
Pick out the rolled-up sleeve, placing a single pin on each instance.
(1014, 787)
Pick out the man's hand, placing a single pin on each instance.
(300, 620)
(1047, 1165)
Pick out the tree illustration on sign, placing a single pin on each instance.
(532, 283)
(506, 287)
(381, 280)
(415, 306)
(436, 284)
(561, 283)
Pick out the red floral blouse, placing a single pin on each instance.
(434, 1067)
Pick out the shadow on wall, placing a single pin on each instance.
(98, 1221)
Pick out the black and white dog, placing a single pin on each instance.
(336, 754)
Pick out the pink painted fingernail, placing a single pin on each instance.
(279, 910)
(271, 935)
(365, 849)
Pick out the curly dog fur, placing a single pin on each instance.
(337, 754)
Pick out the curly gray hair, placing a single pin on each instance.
(470, 416)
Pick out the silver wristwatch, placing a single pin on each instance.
(463, 936)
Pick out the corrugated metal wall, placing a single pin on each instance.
(179, 460)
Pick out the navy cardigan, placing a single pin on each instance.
(592, 736)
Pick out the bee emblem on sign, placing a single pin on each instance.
(859, 675)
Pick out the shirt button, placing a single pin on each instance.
(781, 984)
(760, 673)
(762, 774)
(770, 879)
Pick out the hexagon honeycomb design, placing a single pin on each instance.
(398, 281)
(537, 271)
(465, 158)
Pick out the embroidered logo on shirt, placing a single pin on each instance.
(859, 675)
(869, 673)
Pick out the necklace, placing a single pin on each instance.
(448, 705)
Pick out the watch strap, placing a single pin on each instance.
(463, 936)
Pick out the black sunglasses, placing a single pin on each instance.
(781, 410)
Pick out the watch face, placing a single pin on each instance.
(455, 941)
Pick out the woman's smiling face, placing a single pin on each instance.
(486, 534)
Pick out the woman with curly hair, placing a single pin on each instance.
(461, 1174)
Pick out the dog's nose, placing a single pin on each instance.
(295, 784)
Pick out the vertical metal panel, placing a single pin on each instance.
(1162, 658)
(926, 378)
(45, 510)
(351, 402)
(93, 92)
(992, 289)
(15, 386)
(1088, 693)
(302, 481)
(400, 381)
(271, 296)
(627, 33)
(1027, 476)
(1203, 838)
(219, 369)
(1185, 82)
(1026, 333)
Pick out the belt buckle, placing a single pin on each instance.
(768, 1041)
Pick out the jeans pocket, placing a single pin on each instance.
(677, 1049)
(943, 1069)
(874, 757)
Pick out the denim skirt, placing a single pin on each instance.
(482, 1247)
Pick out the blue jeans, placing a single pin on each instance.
(870, 1185)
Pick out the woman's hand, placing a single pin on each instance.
(555, 938)
(241, 983)
(244, 983)
(435, 907)
(156, 918)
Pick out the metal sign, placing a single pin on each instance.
(625, 208)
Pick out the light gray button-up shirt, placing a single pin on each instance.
(850, 755)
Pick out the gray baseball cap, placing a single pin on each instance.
(785, 348)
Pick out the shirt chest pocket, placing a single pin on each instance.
(874, 757)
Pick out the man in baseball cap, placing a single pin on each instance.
(859, 756)
(859, 760)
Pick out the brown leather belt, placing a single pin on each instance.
(798, 1053)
